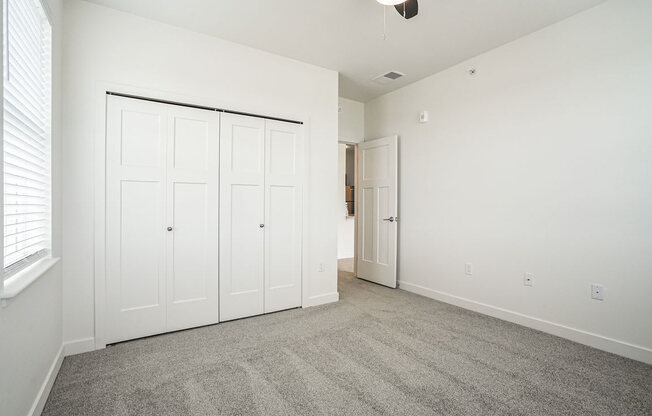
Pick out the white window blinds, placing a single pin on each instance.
(26, 137)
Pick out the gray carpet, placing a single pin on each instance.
(377, 352)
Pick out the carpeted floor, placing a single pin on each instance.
(377, 352)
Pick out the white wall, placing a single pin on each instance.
(31, 323)
(351, 121)
(345, 224)
(541, 162)
(30, 343)
(106, 46)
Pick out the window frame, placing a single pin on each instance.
(19, 275)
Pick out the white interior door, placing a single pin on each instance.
(192, 217)
(242, 216)
(283, 215)
(135, 218)
(377, 210)
(162, 215)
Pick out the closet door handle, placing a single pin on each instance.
(262, 225)
(390, 219)
(170, 228)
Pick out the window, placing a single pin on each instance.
(26, 133)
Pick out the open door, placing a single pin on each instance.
(377, 197)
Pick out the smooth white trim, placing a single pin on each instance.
(322, 299)
(2, 174)
(305, 212)
(356, 198)
(44, 392)
(79, 346)
(635, 352)
(99, 214)
(21, 280)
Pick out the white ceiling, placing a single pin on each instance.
(346, 35)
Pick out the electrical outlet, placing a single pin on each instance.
(597, 291)
(528, 279)
(321, 268)
(468, 269)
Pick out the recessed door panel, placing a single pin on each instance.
(375, 163)
(366, 208)
(140, 242)
(246, 239)
(384, 227)
(191, 143)
(246, 149)
(282, 230)
(242, 216)
(140, 138)
(282, 152)
(189, 236)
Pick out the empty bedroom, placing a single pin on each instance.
(326, 207)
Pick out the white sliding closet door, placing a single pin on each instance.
(161, 218)
(192, 213)
(242, 216)
(283, 210)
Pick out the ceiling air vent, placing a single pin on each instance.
(388, 77)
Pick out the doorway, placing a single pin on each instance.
(368, 220)
(346, 225)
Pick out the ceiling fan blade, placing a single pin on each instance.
(408, 9)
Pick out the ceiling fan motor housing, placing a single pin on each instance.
(408, 9)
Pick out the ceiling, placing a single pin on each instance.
(347, 35)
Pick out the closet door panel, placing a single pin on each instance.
(192, 215)
(247, 149)
(135, 203)
(140, 235)
(246, 239)
(140, 139)
(242, 178)
(190, 233)
(283, 244)
(194, 140)
(283, 215)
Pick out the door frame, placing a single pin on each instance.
(98, 341)
(355, 197)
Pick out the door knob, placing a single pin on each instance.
(262, 225)
(390, 219)
(169, 228)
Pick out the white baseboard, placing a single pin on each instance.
(44, 392)
(79, 346)
(322, 299)
(635, 352)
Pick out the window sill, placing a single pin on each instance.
(21, 280)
